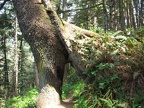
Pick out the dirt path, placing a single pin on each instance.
(68, 102)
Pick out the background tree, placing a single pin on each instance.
(65, 5)
(4, 34)
(110, 14)
(26, 62)
(15, 73)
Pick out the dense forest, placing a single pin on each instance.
(111, 49)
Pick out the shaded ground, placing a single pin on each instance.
(68, 103)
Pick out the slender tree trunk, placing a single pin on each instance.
(21, 62)
(127, 15)
(64, 9)
(141, 13)
(21, 55)
(36, 76)
(116, 16)
(95, 22)
(122, 18)
(112, 14)
(105, 16)
(6, 80)
(15, 83)
(133, 15)
(89, 13)
(137, 13)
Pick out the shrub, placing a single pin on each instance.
(26, 101)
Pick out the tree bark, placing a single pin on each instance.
(64, 9)
(141, 13)
(49, 53)
(21, 61)
(105, 16)
(112, 14)
(127, 14)
(36, 76)
(50, 42)
(131, 15)
(121, 17)
(15, 83)
(5, 68)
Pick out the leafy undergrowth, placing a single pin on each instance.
(115, 70)
(115, 74)
(26, 101)
(93, 96)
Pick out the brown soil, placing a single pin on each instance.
(68, 103)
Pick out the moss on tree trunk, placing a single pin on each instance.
(49, 53)
(53, 45)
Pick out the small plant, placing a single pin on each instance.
(27, 101)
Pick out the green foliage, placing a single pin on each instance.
(6, 33)
(26, 70)
(114, 69)
(23, 101)
(26, 61)
(73, 86)
(114, 62)
(82, 103)
(66, 89)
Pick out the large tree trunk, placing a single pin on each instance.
(50, 55)
(50, 41)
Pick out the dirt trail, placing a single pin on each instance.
(68, 102)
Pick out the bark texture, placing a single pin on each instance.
(15, 73)
(49, 53)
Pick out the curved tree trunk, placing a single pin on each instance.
(51, 42)
(49, 53)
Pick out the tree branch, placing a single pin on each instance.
(67, 33)
(73, 10)
(2, 4)
(47, 4)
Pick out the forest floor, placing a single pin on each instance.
(68, 102)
